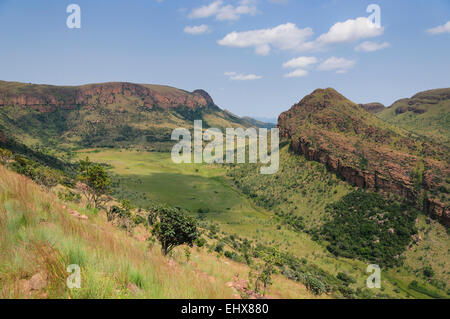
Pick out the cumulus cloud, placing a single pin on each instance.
(300, 62)
(440, 29)
(369, 46)
(296, 74)
(284, 37)
(223, 12)
(349, 31)
(290, 37)
(340, 65)
(242, 77)
(197, 29)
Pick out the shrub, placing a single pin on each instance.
(346, 279)
(5, 155)
(428, 272)
(219, 247)
(315, 285)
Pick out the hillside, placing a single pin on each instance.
(369, 153)
(107, 114)
(426, 113)
(41, 235)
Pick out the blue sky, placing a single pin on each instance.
(255, 57)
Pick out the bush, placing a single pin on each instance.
(5, 155)
(428, 272)
(228, 254)
(200, 242)
(346, 279)
(315, 285)
(219, 247)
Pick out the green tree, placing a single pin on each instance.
(265, 271)
(95, 182)
(173, 228)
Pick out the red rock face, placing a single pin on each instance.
(371, 180)
(50, 98)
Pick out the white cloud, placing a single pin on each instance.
(369, 46)
(300, 62)
(341, 65)
(349, 31)
(197, 29)
(284, 37)
(289, 37)
(440, 29)
(242, 77)
(296, 74)
(223, 12)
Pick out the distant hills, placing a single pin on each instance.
(369, 152)
(426, 113)
(402, 149)
(117, 114)
(259, 123)
(373, 107)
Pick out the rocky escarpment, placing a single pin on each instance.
(47, 98)
(327, 128)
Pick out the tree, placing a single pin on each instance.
(95, 182)
(173, 228)
(264, 274)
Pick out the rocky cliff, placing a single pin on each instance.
(116, 114)
(47, 98)
(368, 153)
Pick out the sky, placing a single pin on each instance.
(254, 57)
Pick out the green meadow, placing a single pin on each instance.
(208, 192)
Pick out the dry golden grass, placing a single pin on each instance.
(39, 236)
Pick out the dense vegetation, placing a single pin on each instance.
(364, 225)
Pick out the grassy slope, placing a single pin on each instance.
(37, 235)
(152, 176)
(433, 123)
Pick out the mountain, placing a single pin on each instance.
(117, 114)
(368, 152)
(426, 113)
(259, 123)
(374, 107)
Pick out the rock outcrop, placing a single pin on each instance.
(47, 98)
(327, 128)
